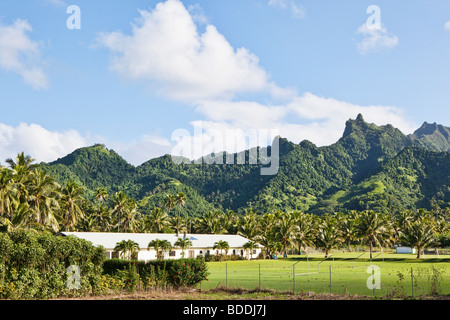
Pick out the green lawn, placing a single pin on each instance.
(349, 274)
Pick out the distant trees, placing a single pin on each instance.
(30, 198)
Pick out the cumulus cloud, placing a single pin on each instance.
(38, 142)
(203, 70)
(296, 10)
(447, 25)
(21, 55)
(166, 48)
(375, 39)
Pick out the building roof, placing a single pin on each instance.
(109, 239)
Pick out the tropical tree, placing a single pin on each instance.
(221, 245)
(346, 224)
(72, 199)
(419, 235)
(43, 195)
(158, 221)
(286, 230)
(212, 222)
(183, 243)
(328, 235)
(248, 224)
(160, 246)
(127, 249)
(101, 195)
(305, 231)
(374, 228)
(249, 247)
(9, 195)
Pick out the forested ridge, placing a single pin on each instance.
(370, 167)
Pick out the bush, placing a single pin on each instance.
(160, 273)
(34, 265)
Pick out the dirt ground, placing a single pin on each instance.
(233, 294)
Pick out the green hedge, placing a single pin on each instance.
(34, 265)
(177, 273)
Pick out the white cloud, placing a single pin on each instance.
(21, 55)
(38, 142)
(205, 71)
(296, 10)
(375, 39)
(447, 25)
(166, 48)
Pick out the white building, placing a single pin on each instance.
(202, 244)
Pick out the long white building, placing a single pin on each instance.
(202, 244)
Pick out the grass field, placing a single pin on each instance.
(349, 274)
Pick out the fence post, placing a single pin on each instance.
(259, 276)
(412, 282)
(330, 279)
(226, 275)
(293, 279)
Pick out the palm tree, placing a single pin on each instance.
(9, 195)
(249, 247)
(248, 225)
(304, 235)
(169, 202)
(158, 244)
(374, 228)
(177, 224)
(158, 221)
(126, 210)
(183, 243)
(128, 249)
(101, 195)
(328, 235)
(21, 166)
(419, 235)
(286, 230)
(43, 195)
(221, 245)
(212, 223)
(346, 224)
(72, 199)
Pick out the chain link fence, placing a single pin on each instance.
(345, 276)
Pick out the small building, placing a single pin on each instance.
(400, 249)
(202, 244)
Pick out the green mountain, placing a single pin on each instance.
(371, 166)
(434, 137)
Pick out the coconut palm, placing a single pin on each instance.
(221, 245)
(212, 222)
(9, 195)
(160, 246)
(127, 249)
(248, 225)
(101, 195)
(158, 221)
(346, 224)
(286, 230)
(126, 209)
(72, 199)
(419, 235)
(183, 243)
(43, 195)
(249, 247)
(374, 228)
(178, 224)
(328, 235)
(304, 234)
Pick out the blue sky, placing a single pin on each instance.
(137, 72)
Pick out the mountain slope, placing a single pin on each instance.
(370, 166)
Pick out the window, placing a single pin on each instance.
(191, 253)
(172, 253)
